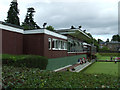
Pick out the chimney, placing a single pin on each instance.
(14, 1)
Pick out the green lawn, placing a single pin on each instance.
(103, 67)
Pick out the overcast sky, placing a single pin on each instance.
(99, 17)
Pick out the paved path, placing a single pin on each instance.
(81, 67)
(77, 67)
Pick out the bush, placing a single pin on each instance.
(35, 61)
(34, 78)
(30, 61)
(110, 54)
(7, 59)
(104, 48)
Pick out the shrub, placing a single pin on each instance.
(7, 59)
(34, 78)
(31, 61)
(110, 54)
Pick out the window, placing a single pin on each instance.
(65, 45)
(62, 45)
(49, 43)
(58, 44)
(53, 43)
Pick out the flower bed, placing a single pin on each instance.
(22, 77)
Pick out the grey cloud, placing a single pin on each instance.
(96, 18)
(91, 16)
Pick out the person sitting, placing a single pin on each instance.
(111, 58)
(81, 61)
(115, 60)
(78, 62)
(84, 59)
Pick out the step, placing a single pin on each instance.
(81, 67)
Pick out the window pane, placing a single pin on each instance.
(49, 43)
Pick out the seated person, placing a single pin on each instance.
(84, 60)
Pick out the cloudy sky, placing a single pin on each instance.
(98, 17)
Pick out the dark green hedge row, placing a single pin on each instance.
(110, 54)
(31, 61)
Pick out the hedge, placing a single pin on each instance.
(30, 61)
(110, 54)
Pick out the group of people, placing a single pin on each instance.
(115, 59)
(82, 60)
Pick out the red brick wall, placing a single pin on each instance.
(12, 42)
(33, 44)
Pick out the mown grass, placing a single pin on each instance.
(108, 68)
(22, 77)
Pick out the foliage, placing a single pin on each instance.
(51, 28)
(104, 48)
(107, 56)
(35, 78)
(99, 40)
(13, 14)
(110, 54)
(31, 61)
(116, 38)
(29, 23)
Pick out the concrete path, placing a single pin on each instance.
(81, 67)
(77, 67)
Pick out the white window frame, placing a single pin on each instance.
(50, 45)
(59, 44)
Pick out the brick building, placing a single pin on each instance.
(38, 42)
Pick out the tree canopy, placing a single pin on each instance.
(51, 28)
(13, 13)
(116, 38)
(29, 23)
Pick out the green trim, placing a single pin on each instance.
(64, 61)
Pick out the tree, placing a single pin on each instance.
(29, 23)
(99, 40)
(105, 48)
(13, 13)
(116, 38)
(50, 28)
